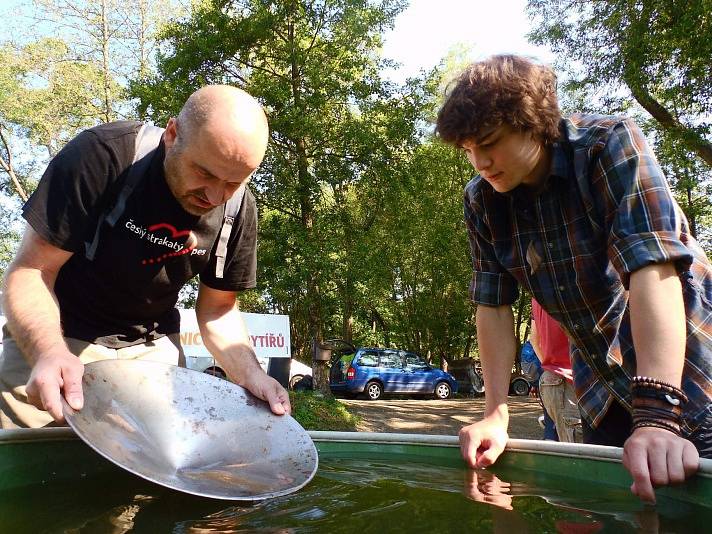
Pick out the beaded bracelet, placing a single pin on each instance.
(672, 394)
(672, 427)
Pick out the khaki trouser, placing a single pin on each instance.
(16, 412)
(559, 398)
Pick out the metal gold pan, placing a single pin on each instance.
(191, 432)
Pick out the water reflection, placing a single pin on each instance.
(484, 486)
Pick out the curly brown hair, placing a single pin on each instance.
(504, 89)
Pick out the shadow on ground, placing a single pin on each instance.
(424, 416)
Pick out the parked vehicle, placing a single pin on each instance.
(519, 386)
(300, 376)
(375, 371)
(468, 374)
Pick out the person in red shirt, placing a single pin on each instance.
(556, 387)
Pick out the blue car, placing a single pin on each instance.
(377, 371)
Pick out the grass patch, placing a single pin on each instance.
(314, 412)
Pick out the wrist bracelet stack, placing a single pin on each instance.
(656, 404)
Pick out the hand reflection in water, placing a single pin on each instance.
(483, 486)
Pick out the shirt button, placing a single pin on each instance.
(551, 245)
(561, 288)
(577, 326)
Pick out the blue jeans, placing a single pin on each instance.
(550, 433)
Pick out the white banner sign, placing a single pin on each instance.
(269, 335)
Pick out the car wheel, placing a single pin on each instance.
(294, 380)
(520, 387)
(373, 390)
(304, 383)
(215, 371)
(442, 390)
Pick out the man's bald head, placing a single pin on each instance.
(213, 146)
(225, 115)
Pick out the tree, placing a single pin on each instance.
(421, 247)
(9, 234)
(62, 69)
(45, 97)
(659, 50)
(690, 180)
(115, 37)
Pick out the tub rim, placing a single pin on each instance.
(551, 448)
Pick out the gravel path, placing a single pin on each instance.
(425, 416)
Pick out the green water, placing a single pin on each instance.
(355, 495)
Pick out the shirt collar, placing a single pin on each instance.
(560, 165)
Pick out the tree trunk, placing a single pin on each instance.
(517, 329)
(320, 370)
(7, 166)
(108, 115)
(348, 321)
(142, 38)
(691, 215)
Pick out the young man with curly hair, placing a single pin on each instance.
(577, 211)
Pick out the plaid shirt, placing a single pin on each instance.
(605, 212)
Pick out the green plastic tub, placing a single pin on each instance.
(51, 481)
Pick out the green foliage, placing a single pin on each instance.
(9, 234)
(421, 254)
(336, 130)
(46, 93)
(361, 231)
(315, 412)
(658, 50)
(65, 77)
(691, 183)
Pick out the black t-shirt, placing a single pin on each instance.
(127, 294)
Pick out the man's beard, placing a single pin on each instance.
(175, 180)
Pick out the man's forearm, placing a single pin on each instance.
(657, 315)
(32, 312)
(225, 336)
(497, 346)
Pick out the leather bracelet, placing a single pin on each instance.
(651, 413)
(659, 407)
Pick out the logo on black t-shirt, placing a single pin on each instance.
(166, 235)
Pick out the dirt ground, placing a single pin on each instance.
(426, 416)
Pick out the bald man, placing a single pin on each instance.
(66, 308)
